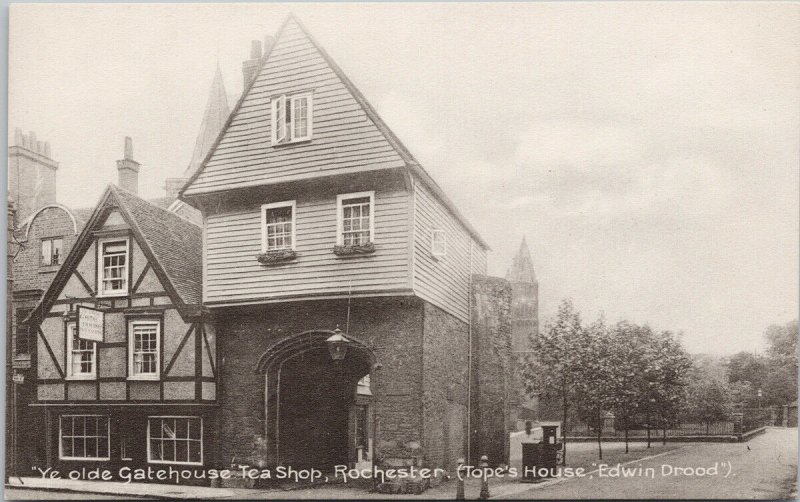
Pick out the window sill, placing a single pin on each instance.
(277, 257)
(48, 269)
(354, 251)
(109, 294)
(291, 143)
(79, 378)
(144, 378)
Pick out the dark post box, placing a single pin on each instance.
(540, 460)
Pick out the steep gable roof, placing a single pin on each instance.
(348, 137)
(172, 245)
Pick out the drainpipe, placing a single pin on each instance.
(469, 357)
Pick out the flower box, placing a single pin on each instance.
(354, 250)
(276, 257)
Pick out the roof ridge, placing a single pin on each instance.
(164, 210)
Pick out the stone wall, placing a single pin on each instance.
(392, 327)
(493, 366)
(445, 363)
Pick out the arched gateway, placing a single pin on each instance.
(317, 401)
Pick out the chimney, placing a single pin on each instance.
(128, 169)
(250, 66)
(173, 185)
(31, 173)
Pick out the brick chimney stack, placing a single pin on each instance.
(250, 66)
(128, 169)
(31, 173)
(173, 185)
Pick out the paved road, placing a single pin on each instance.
(26, 494)
(767, 470)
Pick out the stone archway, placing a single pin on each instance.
(310, 401)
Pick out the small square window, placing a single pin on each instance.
(84, 437)
(438, 243)
(52, 251)
(292, 118)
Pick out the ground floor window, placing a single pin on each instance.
(84, 437)
(175, 440)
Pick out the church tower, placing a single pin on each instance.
(214, 118)
(525, 299)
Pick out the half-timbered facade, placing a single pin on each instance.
(144, 391)
(318, 222)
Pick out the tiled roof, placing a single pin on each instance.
(176, 243)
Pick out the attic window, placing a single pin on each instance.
(112, 267)
(292, 118)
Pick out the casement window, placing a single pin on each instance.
(292, 118)
(84, 437)
(277, 226)
(52, 251)
(81, 356)
(175, 440)
(356, 221)
(22, 338)
(144, 348)
(112, 263)
(438, 243)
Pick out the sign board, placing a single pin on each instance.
(91, 324)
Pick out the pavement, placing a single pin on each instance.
(763, 468)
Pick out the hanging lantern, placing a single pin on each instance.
(337, 345)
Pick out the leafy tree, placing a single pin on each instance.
(669, 368)
(708, 401)
(556, 362)
(627, 358)
(781, 380)
(595, 389)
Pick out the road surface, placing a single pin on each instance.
(763, 468)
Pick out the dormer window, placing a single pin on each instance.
(292, 119)
(112, 263)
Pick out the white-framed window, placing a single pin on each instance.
(175, 440)
(81, 356)
(52, 251)
(144, 349)
(112, 267)
(356, 218)
(84, 437)
(292, 117)
(438, 243)
(277, 226)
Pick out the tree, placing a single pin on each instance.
(750, 371)
(627, 359)
(708, 401)
(594, 389)
(556, 362)
(669, 367)
(781, 379)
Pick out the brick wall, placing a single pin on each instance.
(492, 376)
(445, 363)
(28, 272)
(392, 327)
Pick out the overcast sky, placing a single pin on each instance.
(649, 152)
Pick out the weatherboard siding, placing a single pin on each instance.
(234, 239)
(345, 139)
(443, 281)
